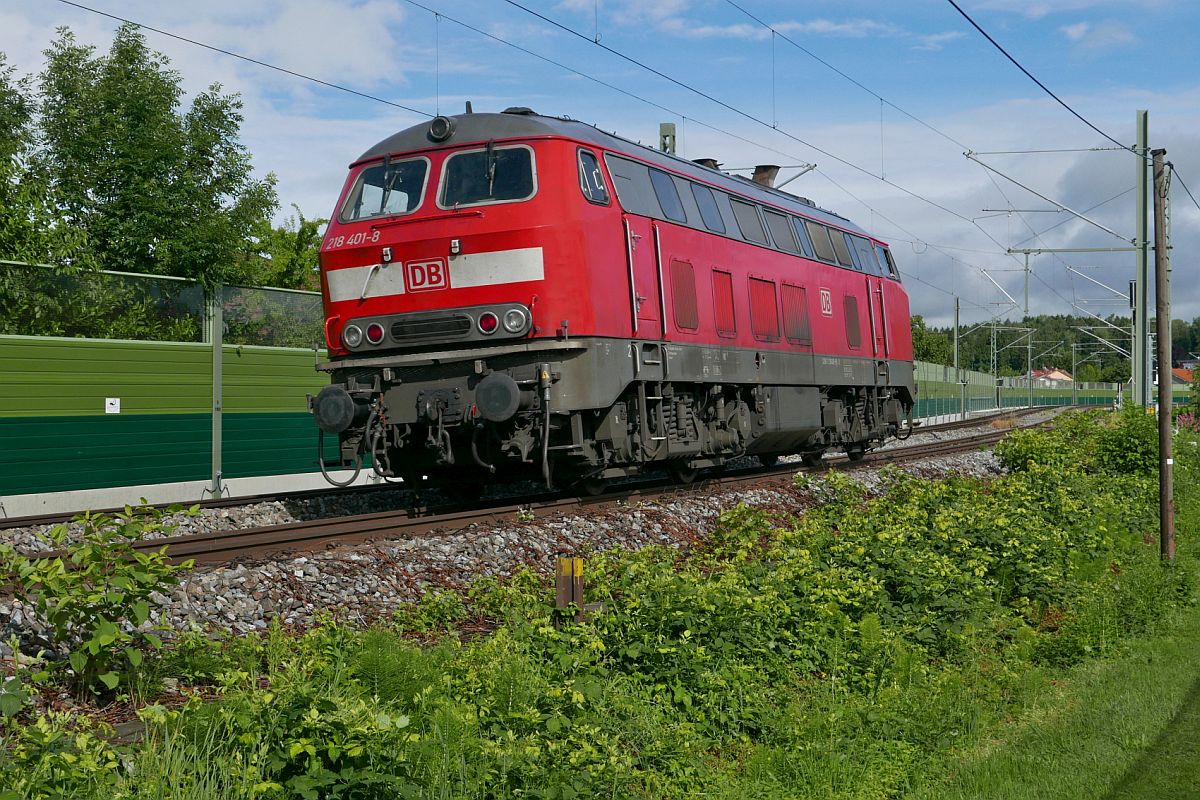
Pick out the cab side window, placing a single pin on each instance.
(591, 181)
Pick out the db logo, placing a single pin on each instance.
(422, 276)
(826, 302)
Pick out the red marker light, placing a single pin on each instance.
(374, 333)
(488, 322)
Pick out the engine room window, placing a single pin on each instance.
(488, 175)
(722, 283)
(683, 295)
(387, 190)
(820, 239)
(764, 310)
(708, 208)
(668, 196)
(865, 255)
(781, 232)
(748, 221)
(841, 249)
(802, 236)
(796, 326)
(590, 179)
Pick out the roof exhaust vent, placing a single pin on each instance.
(711, 163)
(764, 174)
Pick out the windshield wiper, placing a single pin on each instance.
(389, 182)
(489, 168)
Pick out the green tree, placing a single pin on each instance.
(30, 229)
(930, 345)
(1087, 373)
(287, 253)
(156, 191)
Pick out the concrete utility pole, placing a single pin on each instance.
(1166, 463)
(1141, 317)
(962, 387)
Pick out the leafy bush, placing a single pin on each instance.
(1121, 443)
(95, 596)
(1129, 443)
(58, 756)
(838, 655)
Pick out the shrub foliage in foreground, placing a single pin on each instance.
(839, 655)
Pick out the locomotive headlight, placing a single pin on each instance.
(352, 336)
(441, 128)
(374, 333)
(515, 320)
(488, 322)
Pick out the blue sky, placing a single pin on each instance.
(1105, 58)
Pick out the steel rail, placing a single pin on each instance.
(310, 535)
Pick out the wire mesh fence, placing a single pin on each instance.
(271, 317)
(36, 300)
(39, 301)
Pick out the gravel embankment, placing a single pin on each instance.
(365, 581)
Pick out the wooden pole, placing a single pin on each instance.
(1166, 462)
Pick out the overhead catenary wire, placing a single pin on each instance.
(1179, 178)
(882, 100)
(682, 84)
(1031, 77)
(440, 16)
(746, 115)
(232, 54)
(682, 116)
(734, 109)
(423, 113)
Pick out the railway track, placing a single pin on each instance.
(255, 543)
(233, 502)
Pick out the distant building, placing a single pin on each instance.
(1181, 375)
(1052, 377)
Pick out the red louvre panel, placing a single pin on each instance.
(683, 295)
(796, 325)
(764, 310)
(722, 283)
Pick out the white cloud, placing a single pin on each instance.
(1106, 35)
(935, 41)
(854, 28)
(1077, 31)
(1037, 9)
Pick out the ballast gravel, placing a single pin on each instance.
(361, 582)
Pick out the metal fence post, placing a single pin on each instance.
(216, 336)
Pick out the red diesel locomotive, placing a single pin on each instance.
(509, 292)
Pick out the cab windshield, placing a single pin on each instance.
(490, 174)
(387, 189)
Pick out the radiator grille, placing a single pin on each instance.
(432, 328)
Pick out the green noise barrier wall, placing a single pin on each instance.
(61, 428)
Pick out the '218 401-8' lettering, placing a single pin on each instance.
(362, 237)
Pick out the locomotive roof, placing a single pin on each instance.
(523, 123)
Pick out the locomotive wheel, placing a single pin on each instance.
(591, 487)
(682, 472)
(465, 491)
(856, 452)
(768, 460)
(812, 459)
